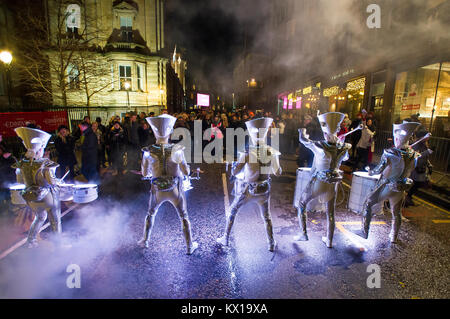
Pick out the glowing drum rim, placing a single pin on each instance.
(302, 180)
(66, 192)
(16, 194)
(362, 185)
(85, 193)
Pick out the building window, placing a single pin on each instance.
(139, 75)
(126, 26)
(125, 77)
(112, 76)
(424, 90)
(73, 76)
(73, 20)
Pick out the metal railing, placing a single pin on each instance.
(440, 146)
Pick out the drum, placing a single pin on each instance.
(85, 193)
(303, 178)
(16, 194)
(187, 184)
(66, 192)
(362, 185)
(239, 185)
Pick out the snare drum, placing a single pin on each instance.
(362, 185)
(303, 178)
(66, 192)
(16, 194)
(85, 193)
(187, 183)
(239, 185)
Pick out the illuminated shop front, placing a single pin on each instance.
(424, 90)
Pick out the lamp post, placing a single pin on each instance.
(6, 58)
(127, 87)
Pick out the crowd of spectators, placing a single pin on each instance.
(94, 148)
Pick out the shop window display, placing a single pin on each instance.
(416, 91)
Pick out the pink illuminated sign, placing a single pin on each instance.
(285, 103)
(202, 99)
(298, 104)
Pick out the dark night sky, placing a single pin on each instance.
(212, 33)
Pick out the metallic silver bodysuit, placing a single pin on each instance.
(166, 166)
(256, 187)
(41, 193)
(395, 166)
(325, 176)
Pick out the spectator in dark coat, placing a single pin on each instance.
(146, 136)
(65, 145)
(7, 173)
(89, 153)
(117, 143)
(133, 150)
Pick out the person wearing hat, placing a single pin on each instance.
(41, 184)
(165, 165)
(65, 146)
(395, 167)
(255, 167)
(325, 174)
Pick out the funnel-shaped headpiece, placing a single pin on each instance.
(32, 138)
(162, 125)
(258, 128)
(403, 132)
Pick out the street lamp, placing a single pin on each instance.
(127, 86)
(6, 58)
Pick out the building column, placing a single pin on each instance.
(388, 98)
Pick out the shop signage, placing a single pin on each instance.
(48, 121)
(339, 75)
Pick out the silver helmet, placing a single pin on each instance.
(162, 125)
(331, 122)
(33, 139)
(403, 132)
(258, 128)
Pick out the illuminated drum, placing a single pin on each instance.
(16, 194)
(187, 183)
(362, 185)
(66, 192)
(303, 178)
(85, 193)
(239, 185)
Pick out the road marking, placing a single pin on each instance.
(431, 205)
(226, 199)
(23, 241)
(351, 236)
(441, 221)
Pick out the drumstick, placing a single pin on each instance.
(64, 176)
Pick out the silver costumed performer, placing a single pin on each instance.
(325, 173)
(166, 165)
(41, 184)
(255, 167)
(396, 165)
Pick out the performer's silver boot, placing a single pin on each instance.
(190, 245)
(301, 213)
